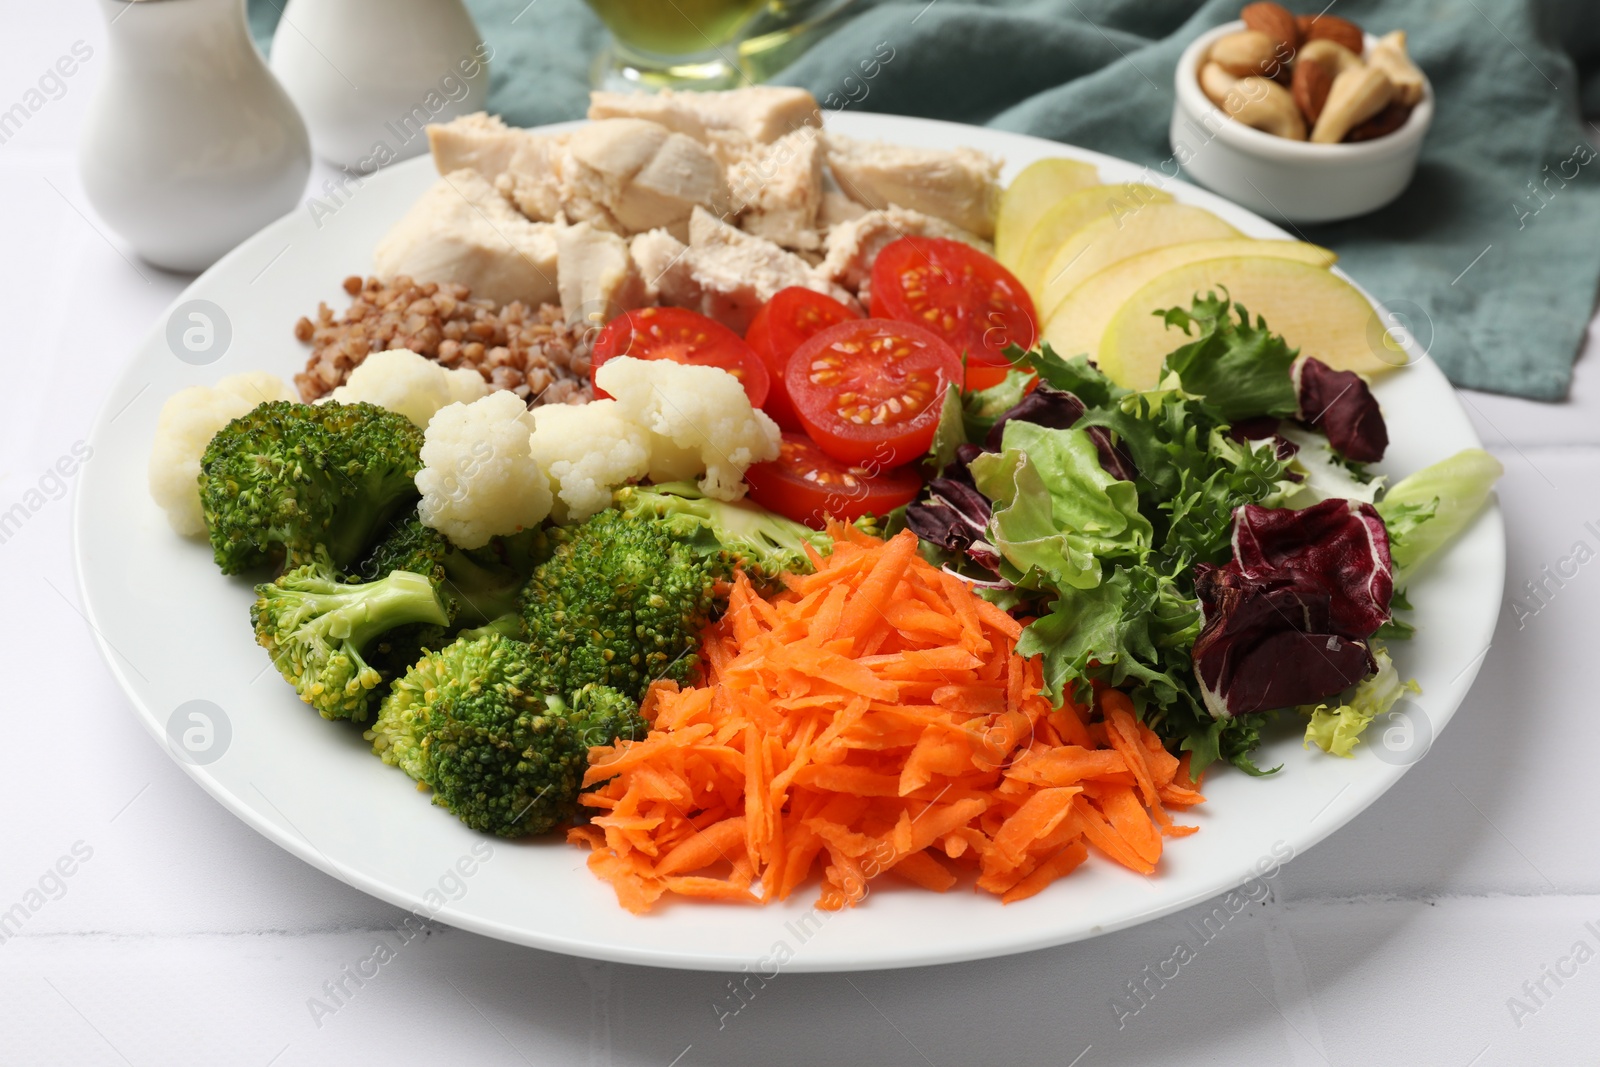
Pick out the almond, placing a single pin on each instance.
(1333, 28)
(1275, 21)
(1310, 89)
(1382, 124)
(1246, 53)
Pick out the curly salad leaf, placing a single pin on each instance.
(1089, 509)
(1057, 513)
(1335, 728)
(1242, 370)
(1130, 618)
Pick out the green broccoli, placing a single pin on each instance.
(600, 715)
(484, 583)
(478, 723)
(620, 602)
(764, 543)
(508, 625)
(480, 587)
(318, 629)
(285, 478)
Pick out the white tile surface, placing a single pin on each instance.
(187, 939)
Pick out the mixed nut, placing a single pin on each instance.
(1311, 77)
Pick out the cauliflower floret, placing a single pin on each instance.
(415, 386)
(588, 450)
(699, 419)
(479, 478)
(188, 421)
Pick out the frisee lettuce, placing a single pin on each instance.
(1336, 728)
(1241, 369)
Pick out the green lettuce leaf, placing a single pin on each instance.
(948, 435)
(1076, 375)
(1200, 514)
(1336, 728)
(1057, 513)
(1242, 370)
(982, 408)
(1134, 631)
(1425, 510)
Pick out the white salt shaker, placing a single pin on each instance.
(368, 75)
(190, 145)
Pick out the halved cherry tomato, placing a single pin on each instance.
(790, 317)
(806, 484)
(960, 294)
(869, 391)
(682, 336)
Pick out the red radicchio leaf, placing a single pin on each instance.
(1285, 622)
(1338, 403)
(1054, 409)
(1343, 544)
(1267, 643)
(955, 516)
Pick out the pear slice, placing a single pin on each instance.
(1074, 326)
(1037, 189)
(1315, 310)
(1072, 213)
(1106, 241)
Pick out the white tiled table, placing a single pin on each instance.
(185, 938)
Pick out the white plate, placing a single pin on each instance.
(173, 631)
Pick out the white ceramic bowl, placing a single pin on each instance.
(1292, 180)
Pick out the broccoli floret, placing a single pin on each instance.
(509, 625)
(480, 587)
(763, 543)
(318, 629)
(620, 602)
(484, 583)
(601, 715)
(479, 724)
(285, 478)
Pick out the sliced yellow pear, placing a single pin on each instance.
(1074, 326)
(1072, 213)
(1316, 311)
(1103, 242)
(1033, 192)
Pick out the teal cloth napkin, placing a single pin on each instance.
(1491, 257)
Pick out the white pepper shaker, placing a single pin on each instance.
(369, 75)
(190, 144)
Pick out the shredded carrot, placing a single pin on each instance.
(872, 718)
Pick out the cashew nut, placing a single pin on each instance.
(1357, 94)
(1216, 83)
(1245, 53)
(1389, 55)
(1331, 56)
(1267, 106)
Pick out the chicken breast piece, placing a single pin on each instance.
(838, 209)
(777, 190)
(853, 246)
(622, 175)
(462, 230)
(597, 277)
(532, 179)
(479, 142)
(762, 113)
(959, 185)
(663, 265)
(723, 272)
